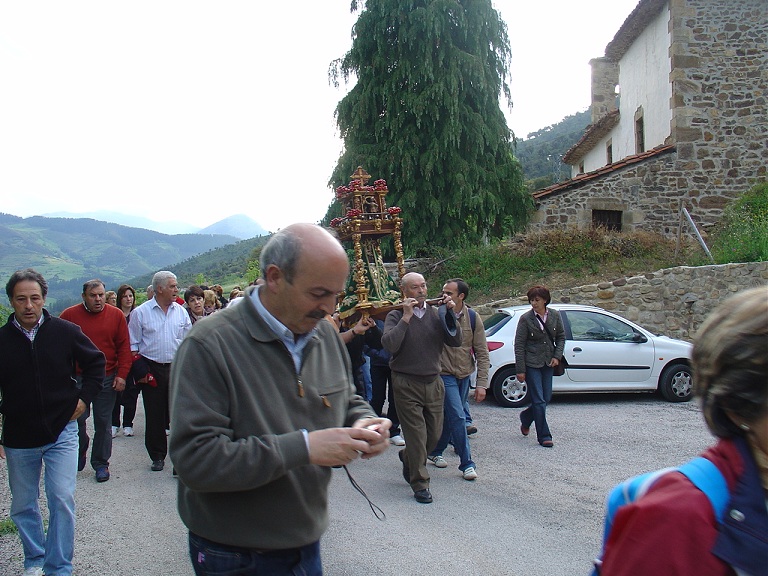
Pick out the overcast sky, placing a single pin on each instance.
(193, 111)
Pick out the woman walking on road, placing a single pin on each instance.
(539, 345)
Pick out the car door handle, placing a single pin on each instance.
(577, 349)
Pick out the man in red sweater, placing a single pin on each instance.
(106, 327)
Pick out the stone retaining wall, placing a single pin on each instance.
(673, 301)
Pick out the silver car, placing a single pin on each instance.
(604, 353)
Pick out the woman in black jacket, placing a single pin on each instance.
(539, 344)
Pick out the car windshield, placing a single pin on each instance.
(493, 323)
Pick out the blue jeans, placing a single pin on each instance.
(540, 384)
(465, 399)
(454, 423)
(53, 552)
(211, 558)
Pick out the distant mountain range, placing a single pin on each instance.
(69, 251)
(240, 226)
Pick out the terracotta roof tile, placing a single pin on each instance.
(583, 178)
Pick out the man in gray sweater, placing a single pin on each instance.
(415, 337)
(262, 405)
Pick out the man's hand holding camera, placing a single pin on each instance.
(366, 438)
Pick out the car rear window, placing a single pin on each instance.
(493, 323)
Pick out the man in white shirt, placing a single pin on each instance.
(156, 329)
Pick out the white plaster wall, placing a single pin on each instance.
(644, 81)
(597, 157)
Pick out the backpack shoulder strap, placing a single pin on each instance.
(627, 492)
(701, 472)
(707, 477)
(472, 318)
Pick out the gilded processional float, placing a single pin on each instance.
(370, 290)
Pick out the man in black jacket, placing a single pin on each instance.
(40, 405)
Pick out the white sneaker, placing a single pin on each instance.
(167, 432)
(397, 440)
(438, 461)
(469, 474)
(34, 571)
(114, 435)
(128, 431)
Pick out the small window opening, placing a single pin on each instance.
(609, 219)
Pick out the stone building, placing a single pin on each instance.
(679, 116)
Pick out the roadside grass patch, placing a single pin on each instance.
(571, 257)
(7, 527)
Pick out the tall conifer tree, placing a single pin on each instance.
(424, 115)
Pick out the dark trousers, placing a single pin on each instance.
(156, 410)
(420, 408)
(102, 431)
(381, 390)
(127, 399)
(209, 558)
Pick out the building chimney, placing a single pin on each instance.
(605, 78)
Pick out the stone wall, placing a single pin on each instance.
(719, 79)
(673, 301)
(646, 193)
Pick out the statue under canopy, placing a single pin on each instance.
(370, 290)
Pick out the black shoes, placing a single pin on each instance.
(471, 430)
(406, 470)
(423, 496)
(102, 474)
(157, 465)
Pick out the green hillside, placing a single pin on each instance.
(225, 265)
(542, 151)
(69, 251)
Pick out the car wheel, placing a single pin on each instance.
(508, 390)
(676, 383)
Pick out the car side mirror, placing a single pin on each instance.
(639, 338)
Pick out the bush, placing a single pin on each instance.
(742, 234)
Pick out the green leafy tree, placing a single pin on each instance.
(425, 116)
(5, 312)
(252, 270)
(542, 151)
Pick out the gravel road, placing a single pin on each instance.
(533, 511)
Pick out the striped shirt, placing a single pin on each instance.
(156, 335)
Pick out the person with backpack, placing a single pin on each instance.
(710, 515)
(456, 368)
